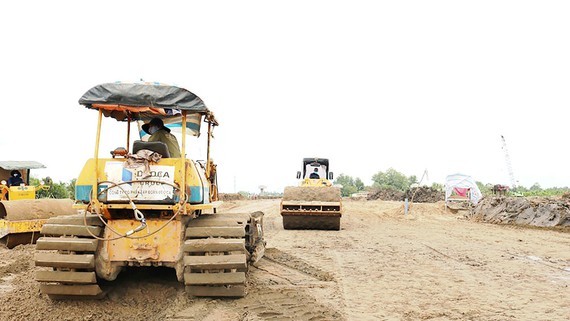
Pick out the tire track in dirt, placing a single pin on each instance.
(287, 303)
(278, 289)
(293, 262)
(284, 290)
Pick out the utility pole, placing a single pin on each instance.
(509, 166)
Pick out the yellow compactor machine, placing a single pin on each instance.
(142, 208)
(315, 203)
(21, 214)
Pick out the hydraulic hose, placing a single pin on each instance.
(137, 213)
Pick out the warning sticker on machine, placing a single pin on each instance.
(139, 183)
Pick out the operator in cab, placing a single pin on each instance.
(160, 133)
(15, 178)
(315, 174)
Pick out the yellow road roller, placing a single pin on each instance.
(316, 203)
(21, 214)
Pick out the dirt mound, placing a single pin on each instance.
(312, 193)
(18, 261)
(265, 197)
(386, 194)
(424, 194)
(231, 197)
(536, 211)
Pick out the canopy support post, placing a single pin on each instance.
(183, 159)
(208, 161)
(128, 131)
(97, 141)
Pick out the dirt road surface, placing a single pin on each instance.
(381, 265)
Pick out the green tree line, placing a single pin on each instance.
(349, 185)
(53, 190)
(392, 179)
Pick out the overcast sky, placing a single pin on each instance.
(412, 85)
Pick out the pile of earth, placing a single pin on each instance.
(385, 194)
(421, 194)
(424, 194)
(231, 197)
(265, 197)
(534, 211)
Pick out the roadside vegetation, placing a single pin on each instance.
(390, 179)
(393, 180)
(55, 190)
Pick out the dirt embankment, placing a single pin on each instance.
(534, 211)
(240, 197)
(231, 197)
(422, 194)
(385, 194)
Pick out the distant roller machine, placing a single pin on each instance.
(21, 214)
(315, 204)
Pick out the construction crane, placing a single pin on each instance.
(509, 166)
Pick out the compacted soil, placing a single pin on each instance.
(428, 264)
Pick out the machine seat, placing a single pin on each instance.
(157, 147)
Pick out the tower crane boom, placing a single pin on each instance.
(508, 161)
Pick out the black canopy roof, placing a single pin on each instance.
(311, 160)
(144, 95)
(323, 161)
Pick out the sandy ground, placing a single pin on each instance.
(381, 265)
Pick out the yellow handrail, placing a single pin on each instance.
(183, 159)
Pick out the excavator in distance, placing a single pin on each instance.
(142, 208)
(316, 203)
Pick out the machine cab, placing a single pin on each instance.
(315, 168)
